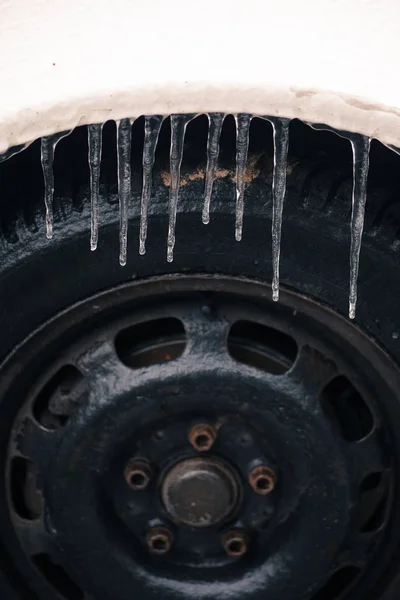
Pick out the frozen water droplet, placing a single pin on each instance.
(280, 128)
(242, 146)
(215, 122)
(152, 126)
(94, 153)
(47, 150)
(360, 146)
(178, 130)
(124, 141)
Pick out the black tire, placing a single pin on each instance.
(39, 278)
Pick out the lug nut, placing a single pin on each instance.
(262, 479)
(159, 540)
(202, 436)
(235, 543)
(138, 474)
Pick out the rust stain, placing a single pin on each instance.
(166, 178)
(253, 170)
(202, 436)
(262, 479)
(196, 175)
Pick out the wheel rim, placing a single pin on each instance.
(304, 395)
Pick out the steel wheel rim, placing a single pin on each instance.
(221, 285)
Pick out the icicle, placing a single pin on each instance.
(47, 157)
(152, 126)
(124, 137)
(280, 129)
(178, 130)
(215, 122)
(48, 146)
(94, 152)
(242, 146)
(360, 146)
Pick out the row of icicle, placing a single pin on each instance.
(360, 148)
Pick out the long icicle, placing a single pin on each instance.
(242, 146)
(280, 129)
(124, 141)
(215, 122)
(360, 146)
(94, 154)
(178, 130)
(47, 150)
(152, 126)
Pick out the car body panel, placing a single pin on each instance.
(64, 64)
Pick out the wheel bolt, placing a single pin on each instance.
(138, 474)
(235, 543)
(159, 540)
(202, 436)
(262, 479)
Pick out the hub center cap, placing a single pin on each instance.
(199, 492)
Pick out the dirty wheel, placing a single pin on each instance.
(166, 428)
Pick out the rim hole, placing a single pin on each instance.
(159, 544)
(262, 483)
(345, 407)
(370, 510)
(338, 583)
(26, 498)
(159, 540)
(202, 441)
(235, 547)
(138, 480)
(138, 474)
(60, 398)
(262, 479)
(150, 343)
(57, 577)
(261, 347)
(202, 436)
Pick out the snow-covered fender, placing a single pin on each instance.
(64, 64)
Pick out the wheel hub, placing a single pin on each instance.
(199, 492)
